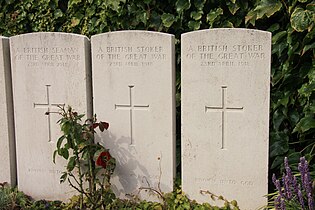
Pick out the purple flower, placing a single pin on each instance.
(310, 201)
(303, 168)
(295, 185)
(287, 190)
(277, 184)
(288, 169)
(277, 203)
(282, 205)
(300, 196)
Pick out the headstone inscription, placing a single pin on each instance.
(133, 86)
(225, 115)
(48, 70)
(7, 141)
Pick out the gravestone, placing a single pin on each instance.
(225, 115)
(133, 86)
(48, 70)
(7, 141)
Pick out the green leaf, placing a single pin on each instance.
(279, 147)
(263, 8)
(213, 14)
(194, 25)
(59, 142)
(71, 163)
(182, 5)
(302, 1)
(311, 7)
(196, 15)
(227, 24)
(294, 116)
(268, 8)
(71, 3)
(274, 27)
(233, 7)
(277, 162)
(64, 153)
(63, 177)
(54, 156)
(305, 124)
(307, 48)
(58, 13)
(199, 4)
(167, 19)
(301, 19)
(277, 119)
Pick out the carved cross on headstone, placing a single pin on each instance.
(223, 108)
(131, 107)
(48, 106)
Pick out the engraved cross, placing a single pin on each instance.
(48, 106)
(223, 109)
(131, 107)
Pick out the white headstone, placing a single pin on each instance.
(7, 141)
(133, 86)
(48, 69)
(225, 114)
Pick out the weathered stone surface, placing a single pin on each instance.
(7, 141)
(225, 114)
(48, 69)
(133, 86)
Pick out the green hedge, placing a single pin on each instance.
(292, 124)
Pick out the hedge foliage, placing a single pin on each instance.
(292, 23)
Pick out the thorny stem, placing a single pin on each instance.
(80, 177)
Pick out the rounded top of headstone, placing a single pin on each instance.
(128, 32)
(227, 30)
(3, 37)
(50, 34)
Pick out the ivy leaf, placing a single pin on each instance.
(213, 14)
(182, 5)
(268, 8)
(233, 7)
(302, 1)
(199, 4)
(278, 36)
(264, 8)
(277, 162)
(75, 21)
(301, 19)
(308, 47)
(251, 17)
(196, 15)
(274, 27)
(73, 2)
(280, 144)
(58, 13)
(311, 7)
(227, 24)
(167, 19)
(194, 25)
(277, 119)
(305, 124)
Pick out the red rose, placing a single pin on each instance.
(103, 158)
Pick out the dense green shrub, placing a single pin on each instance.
(292, 124)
